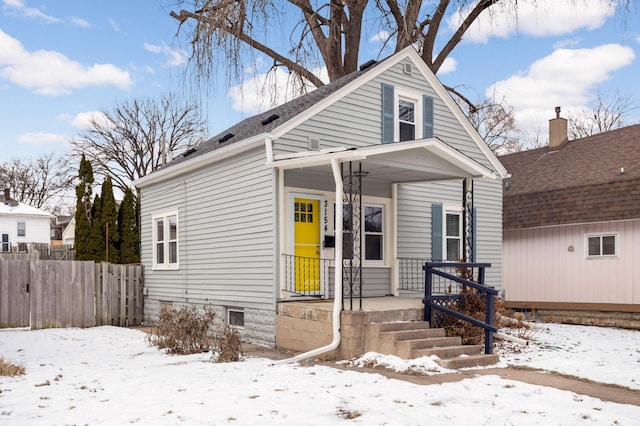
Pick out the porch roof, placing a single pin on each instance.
(403, 162)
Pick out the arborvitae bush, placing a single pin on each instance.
(183, 331)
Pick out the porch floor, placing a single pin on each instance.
(369, 304)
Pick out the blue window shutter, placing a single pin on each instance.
(427, 116)
(388, 103)
(436, 232)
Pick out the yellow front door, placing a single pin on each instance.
(306, 244)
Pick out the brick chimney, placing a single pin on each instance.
(557, 132)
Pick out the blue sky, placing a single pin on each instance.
(61, 61)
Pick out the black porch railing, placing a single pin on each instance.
(306, 276)
(434, 298)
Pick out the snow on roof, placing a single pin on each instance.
(22, 210)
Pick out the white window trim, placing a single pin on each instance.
(24, 224)
(416, 98)
(451, 210)
(616, 255)
(166, 265)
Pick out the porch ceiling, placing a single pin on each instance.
(414, 161)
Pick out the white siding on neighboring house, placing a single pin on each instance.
(550, 264)
(37, 224)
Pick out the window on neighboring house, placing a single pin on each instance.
(406, 115)
(165, 241)
(453, 236)
(602, 245)
(22, 229)
(373, 233)
(5, 243)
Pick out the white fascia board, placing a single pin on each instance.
(201, 160)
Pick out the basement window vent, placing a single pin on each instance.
(407, 68)
(225, 137)
(235, 318)
(314, 144)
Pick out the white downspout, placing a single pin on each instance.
(337, 301)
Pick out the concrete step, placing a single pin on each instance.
(424, 333)
(396, 326)
(468, 361)
(447, 351)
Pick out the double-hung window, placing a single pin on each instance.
(165, 241)
(373, 233)
(406, 119)
(22, 229)
(406, 115)
(5, 243)
(604, 245)
(453, 236)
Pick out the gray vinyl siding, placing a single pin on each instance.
(226, 235)
(355, 119)
(376, 282)
(414, 220)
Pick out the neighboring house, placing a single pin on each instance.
(21, 224)
(58, 226)
(572, 227)
(69, 232)
(246, 220)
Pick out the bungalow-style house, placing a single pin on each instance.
(21, 224)
(571, 228)
(246, 221)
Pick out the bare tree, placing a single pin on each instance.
(496, 124)
(39, 183)
(328, 33)
(136, 137)
(607, 112)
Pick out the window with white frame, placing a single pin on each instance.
(602, 245)
(165, 241)
(453, 235)
(5, 243)
(373, 233)
(235, 318)
(22, 229)
(406, 119)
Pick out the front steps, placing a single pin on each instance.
(414, 339)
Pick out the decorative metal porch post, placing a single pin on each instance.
(352, 237)
(467, 219)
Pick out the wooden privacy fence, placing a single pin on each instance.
(48, 293)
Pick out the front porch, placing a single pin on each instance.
(305, 325)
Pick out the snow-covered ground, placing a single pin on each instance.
(108, 375)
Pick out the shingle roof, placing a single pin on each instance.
(580, 182)
(254, 126)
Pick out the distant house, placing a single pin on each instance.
(21, 224)
(59, 225)
(246, 221)
(572, 227)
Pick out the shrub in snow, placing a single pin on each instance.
(227, 346)
(183, 331)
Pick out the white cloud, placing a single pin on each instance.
(50, 73)
(175, 57)
(381, 36)
(265, 91)
(567, 43)
(40, 138)
(448, 65)
(79, 22)
(83, 120)
(536, 17)
(114, 25)
(565, 78)
(18, 7)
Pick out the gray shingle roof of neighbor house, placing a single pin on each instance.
(592, 179)
(268, 120)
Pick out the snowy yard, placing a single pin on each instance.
(108, 375)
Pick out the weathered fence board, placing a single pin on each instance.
(47, 293)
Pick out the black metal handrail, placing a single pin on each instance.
(306, 276)
(431, 269)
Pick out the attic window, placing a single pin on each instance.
(225, 137)
(270, 119)
(189, 152)
(407, 68)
